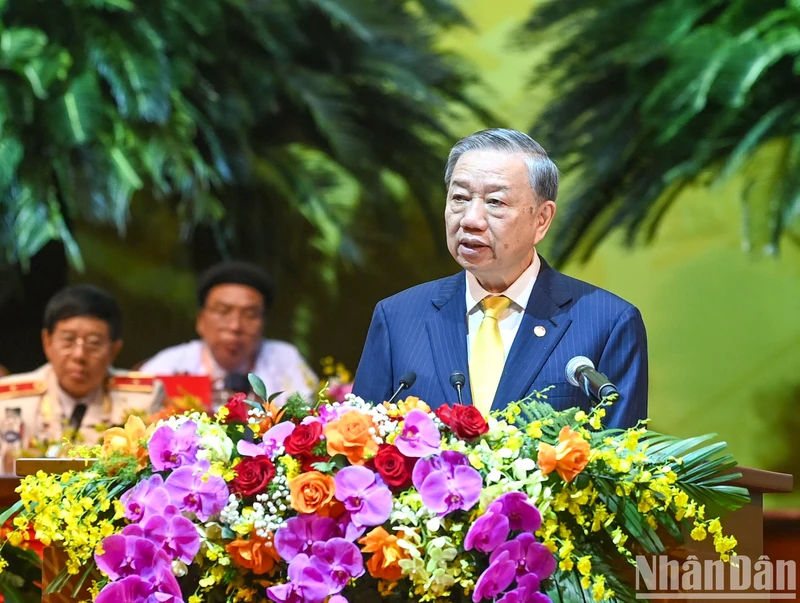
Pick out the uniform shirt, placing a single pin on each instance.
(44, 410)
(278, 364)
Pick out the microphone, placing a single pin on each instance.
(457, 380)
(237, 383)
(581, 373)
(406, 381)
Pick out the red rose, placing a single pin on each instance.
(444, 412)
(253, 474)
(466, 422)
(393, 467)
(303, 439)
(237, 409)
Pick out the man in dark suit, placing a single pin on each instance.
(509, 321)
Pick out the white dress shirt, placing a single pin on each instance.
(519, 293)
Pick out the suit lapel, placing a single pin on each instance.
(447, 331)
(529, 351)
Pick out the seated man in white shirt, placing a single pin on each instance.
(234, 298)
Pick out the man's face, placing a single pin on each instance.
(492, 217)
(80, 350)
(231, 324)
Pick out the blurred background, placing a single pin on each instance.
(142, 142)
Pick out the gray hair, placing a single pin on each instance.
(542, 172)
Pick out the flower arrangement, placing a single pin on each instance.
(334, 502)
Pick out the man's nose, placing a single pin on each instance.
(236, 322)
(474, 217)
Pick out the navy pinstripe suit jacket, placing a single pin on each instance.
(424, 329)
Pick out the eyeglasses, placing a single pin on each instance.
(92, 344)
(249, 318)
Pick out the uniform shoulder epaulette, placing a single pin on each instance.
(22, 389)
(132, 382)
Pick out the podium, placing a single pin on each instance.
(746, 524)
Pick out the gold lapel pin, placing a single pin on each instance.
(539, 331)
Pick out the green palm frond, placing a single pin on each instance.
(704, 472)
(202, 105)
(653, 97)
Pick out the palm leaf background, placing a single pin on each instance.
(298, 134)
(651, 97)
(223, 110)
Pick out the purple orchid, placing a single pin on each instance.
(339, 561)
(495, 579)
(540, 561)
(338, 599)
(306, 584)
(527, 591)
(446, 482)
(447, 460)
(301, 532)
(350, 531)
(517, 551)
(528, 555)
(487, 533)
(172, 532)
(145, 499)
(521, 513)
(162, 587)
(364, 495)
(270, 441)
(193, 490)
(328, 413)
(170, 449)
(124, 556)
(420, 436)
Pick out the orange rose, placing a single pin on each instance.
(311, 491)
(257, 553)
(412, 403)
(126, 439)
(384, 563)
(568, 458)
(349, 435)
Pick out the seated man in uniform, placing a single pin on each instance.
(233, 298)
(77, 394)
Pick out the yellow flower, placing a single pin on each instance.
(599, 588)
(597, 417)
(699, 533)
(534, 430)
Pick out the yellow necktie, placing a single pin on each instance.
(487, 355)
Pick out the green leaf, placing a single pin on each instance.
(10, 512)
(21, 43)
(11, 151)
(259, 389)
(80, 112)
(273, 396)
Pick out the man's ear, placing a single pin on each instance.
(116, 348)
(544, 218)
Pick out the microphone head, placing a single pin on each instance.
(408, 379)
(572, 368)
(457, 379)
(237, 382)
